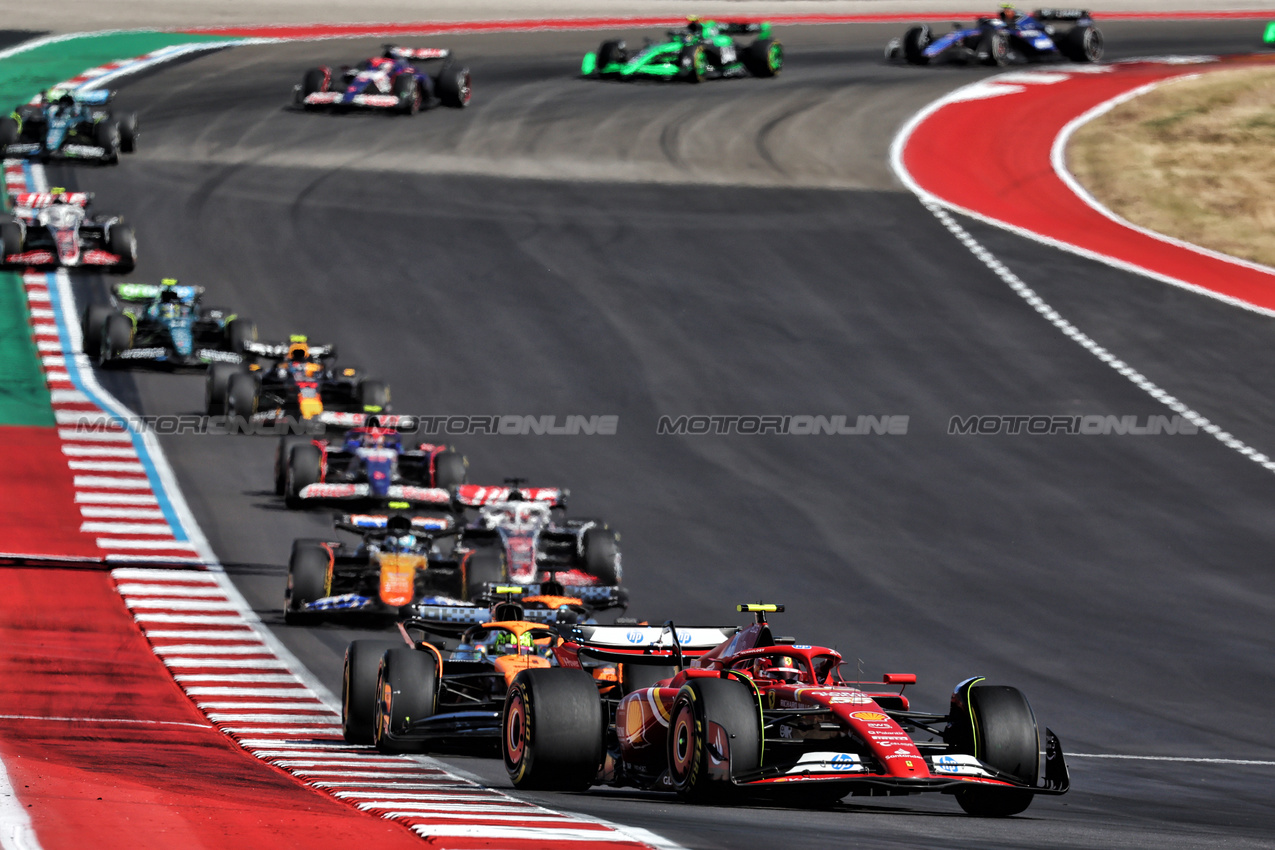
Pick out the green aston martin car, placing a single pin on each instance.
(702, 50)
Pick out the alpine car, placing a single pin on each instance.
(415, 695)
(68, 124)
(402, 561)
(54, 229)
(701, 50)
(164, 324)
(760, 715)
(298, 382)
(390, 81)
(1009, 38)
(366, 464)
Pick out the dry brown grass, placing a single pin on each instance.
(1193, 159)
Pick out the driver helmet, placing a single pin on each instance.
(782, 668)
(298, 349)
(504, 643)
(399, 535)
(1008, 13)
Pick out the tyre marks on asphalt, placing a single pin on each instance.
(235, 678)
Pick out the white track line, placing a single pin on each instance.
(1169, 758)
(940, 207)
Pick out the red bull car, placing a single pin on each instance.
(54, 229)
(391, 81)
(761, 715)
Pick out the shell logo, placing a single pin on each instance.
(868, 715)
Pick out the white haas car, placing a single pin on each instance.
(54, 229)
(390, 81)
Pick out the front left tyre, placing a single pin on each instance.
(406, 691)
(552, 730)
(358, 688)
(455, 86)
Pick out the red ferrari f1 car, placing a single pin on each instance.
(761, 715)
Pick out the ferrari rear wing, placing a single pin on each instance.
(648, 644)
(1061, 14)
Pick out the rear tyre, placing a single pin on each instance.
(483, 566)
(8, 133)
(406, 690)
(1004, 736)
(309, 571)
(764, 57)
(117, 336)
(128, 133)
(408, 92)
(282, 451)
(10, 239)
(241, 396)
(612, 53)
(455, 86)
(693, 63)
(1082, 44)
(713, 717)
(93, 326)
(374, 396)
(995, 48)
(217, 387)
(915, 41)
(122, 241)
(602, 555)
(304, 468)
(450, 469)
(240, 332)
(552, 730)
(358, 688)
(106, 134)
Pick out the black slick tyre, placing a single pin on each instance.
(121, 240)
(1001, 732)
(408, 92)
(612, 53)
(358, 688)
(483, 566)
(8, 133)
(309, 577)
(693, 62)
(93, 325)
(1082, 44)
(915, 41)
(241, 395)
(217, 387)
(106, 133)
(601, 555)
(240, 332)
(995, 48)
(304, 468)
(10, 239)
(406, 690)
(552, 730)
(374, 396)
(450, 469)
(454, 85)
(128, 133)
(282, 451)
(764, 57)
(117, 337)
(712, 718)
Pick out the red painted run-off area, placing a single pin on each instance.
(40, 514)
(308, 31)
(1005, 172)
(107, 752)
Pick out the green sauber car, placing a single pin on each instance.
(1269, 35)
(702, 50)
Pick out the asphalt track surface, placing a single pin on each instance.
(653, 250)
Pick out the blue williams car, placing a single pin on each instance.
(68, 124)
(1009, 38)
(390, 81)
(164, 324)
